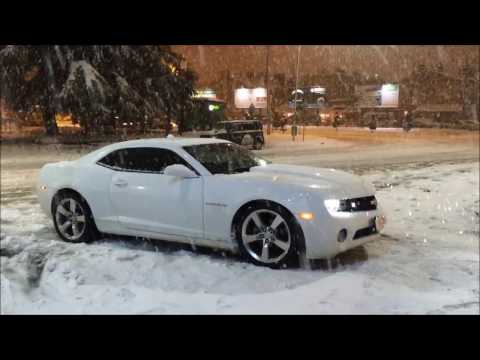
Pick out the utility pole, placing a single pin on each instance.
(269, 118)
(303, 132)
(294, 129)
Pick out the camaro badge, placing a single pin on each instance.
(216, 204)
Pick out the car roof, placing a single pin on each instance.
(165, 143)
(173, 142)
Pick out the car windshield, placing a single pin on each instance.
(225, 158)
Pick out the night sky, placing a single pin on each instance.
(392, 62)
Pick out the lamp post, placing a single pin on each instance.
(296, 92)
(269, 119)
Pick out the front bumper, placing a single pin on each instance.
(322, 233)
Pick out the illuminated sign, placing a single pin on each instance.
(213, 107)
(244, 98)
(205, 94)
(311, 97)
(377, 95)
(389, 95)
(317, 90)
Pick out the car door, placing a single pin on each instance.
(146, 200)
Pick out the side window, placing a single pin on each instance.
(142, 160)
(113, 160)
(146, 159)
(152, 160)
(137, 159)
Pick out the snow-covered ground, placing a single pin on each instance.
(427, 262)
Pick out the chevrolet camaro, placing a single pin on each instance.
(213, 193)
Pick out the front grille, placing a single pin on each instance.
(359, 204)
(365, 232)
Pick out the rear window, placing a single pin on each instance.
(142, 160)
(246, 126)
(113, 160)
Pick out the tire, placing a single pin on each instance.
(281, 235)
(258, 145)
(73, 226)
(247, 140)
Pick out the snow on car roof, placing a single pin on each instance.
(168, 143)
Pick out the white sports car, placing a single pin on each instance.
(210, 192)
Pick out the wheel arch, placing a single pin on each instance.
(68, 190)
(240, 211)
(64, 190)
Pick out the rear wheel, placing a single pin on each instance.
(247, 140)
(258, 144)
(268, 235)
(72, 218)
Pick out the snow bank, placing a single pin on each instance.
(427, 262)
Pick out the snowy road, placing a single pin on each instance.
(427, 262)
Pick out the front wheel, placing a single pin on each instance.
(72, 218)
(268, 235)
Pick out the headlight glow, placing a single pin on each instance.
(332, 205)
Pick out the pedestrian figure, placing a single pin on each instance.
(336, 121)
(373, 123)
(251, 112)
(283, 123)
(407, 121)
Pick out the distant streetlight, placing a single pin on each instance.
(269, 120)
(294, 129)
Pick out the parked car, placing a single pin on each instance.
(248, 133)
(210, 192)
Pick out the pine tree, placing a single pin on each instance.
(95, 84)
(28, 82)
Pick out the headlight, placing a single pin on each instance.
(332, 205)
(335, 206)
(344, 206)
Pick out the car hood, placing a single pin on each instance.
(331, 182)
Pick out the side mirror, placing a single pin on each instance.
(179, 171)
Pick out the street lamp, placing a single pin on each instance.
(294, 129)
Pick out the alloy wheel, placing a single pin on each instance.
(70, 218)
(266, 236)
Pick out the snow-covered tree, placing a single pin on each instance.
(28, 83)
(95, 84)
(279, 92)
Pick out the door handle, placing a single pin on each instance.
(120, 183)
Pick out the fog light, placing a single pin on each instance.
(306, 215)
(342, 235)
(380, 222)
